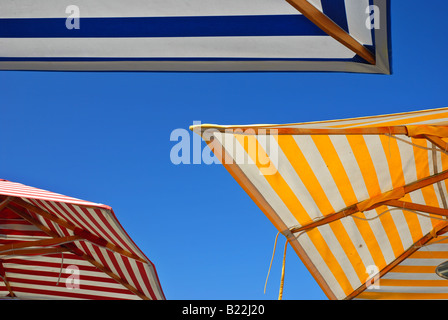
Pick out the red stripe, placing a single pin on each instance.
(22, 233)
(63, 274)
(15, 221)
(100, 228)
(50, 207)
(13, 281)
(131, 273)
(62, 294)
(86, 225)
(115, 264)
(112, 229)
(144, 275)
(8, 214)
(56, 265)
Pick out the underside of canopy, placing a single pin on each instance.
(196, 35)
(362, 201)
(57, 247)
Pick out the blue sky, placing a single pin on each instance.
(105, 137)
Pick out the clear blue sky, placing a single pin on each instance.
(105, 137)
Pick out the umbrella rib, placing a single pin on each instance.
(5, 279)
(332, 29)
(86, 234)
(417, 207)
(387, 130)
(39, 243)
(437, 141)
(416, 246)
(355, 208)
(73, 249)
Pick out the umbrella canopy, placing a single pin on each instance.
(195, 35)
(53, 246)
(362, 201)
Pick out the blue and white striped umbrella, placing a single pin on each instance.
(194, 35)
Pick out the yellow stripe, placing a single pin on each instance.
(368, 172)
(401, 296)
(414, 269)
(275, 180)
(398, 122)
(430, 255)
(286, 194)
(392, 152)
(444, 158)
(306, 174)
(337, 171)
(422, 168)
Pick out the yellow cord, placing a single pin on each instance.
(282, 282)
(273, 253)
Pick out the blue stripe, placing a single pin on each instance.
(335, 10)
(101, 59)
(203, 26)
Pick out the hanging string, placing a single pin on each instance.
(416, 145)
(272, 259)
(398, 209)
(60, 272)
(282, 281)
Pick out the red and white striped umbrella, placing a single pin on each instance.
(57, 247)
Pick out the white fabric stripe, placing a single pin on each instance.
(73, 291)
(234, 149)
(354, 174)
(372, 120)
(316, 3)
(338, 252)
(351, 167)
(19, 227)
(138, 277)
(124, 270)
(58, 212)
(440, 168)
(123, 240)
(313, 47)
(109, 236)
(322, 173)
(69, 258)
(410, 175)
(321, 266)
(356, 19)
(150, 275)
(86, 223)
(55, 278)
(56, 270)
(94, 254)
(411, 276)
(422, 262)
(437, 247)
(409, 289)
(143, 8)
(291, 178)
(17, 190)
(320, 170)
(380, 163)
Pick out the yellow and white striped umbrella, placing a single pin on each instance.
(362, 201)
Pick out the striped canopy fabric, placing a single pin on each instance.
(195, 35)
(56, 247)
(362, 201)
